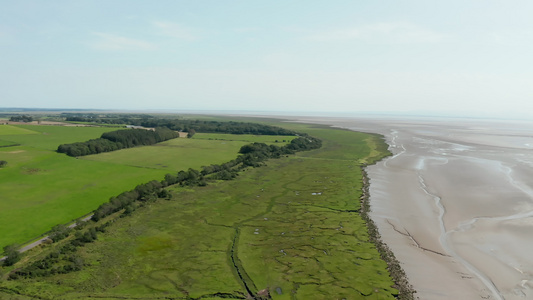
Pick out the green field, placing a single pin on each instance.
(14, 130)
(49, 137)
(292, 228)
(176, 154)
(7, 143)
(41, 188)
(249, 138)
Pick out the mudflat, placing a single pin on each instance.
(455, 203)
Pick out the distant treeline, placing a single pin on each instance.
(215, 126)
(116, 140)
(110, 118)
(23, 118)
(181, 124)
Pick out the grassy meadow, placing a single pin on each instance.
(175, 154)
(248, 138)
(41, 188)
(291, 230)
(48, 137)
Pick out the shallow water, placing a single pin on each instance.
(455, 204)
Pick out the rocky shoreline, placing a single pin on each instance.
(405, 289)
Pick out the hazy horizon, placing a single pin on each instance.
(453, 58)
(266, 113)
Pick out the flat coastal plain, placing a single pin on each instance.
(455, 203)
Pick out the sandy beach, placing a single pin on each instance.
(455, 203)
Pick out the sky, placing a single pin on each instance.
(467, 57)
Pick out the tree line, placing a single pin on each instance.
(63, 259)
(251, 155)
(230, 127)
(116, 140)
(22, 118)
(201, 126)
(108, 118)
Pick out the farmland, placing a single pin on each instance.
(41, 188)
(267, 139)
(174, 155)
(48, 137)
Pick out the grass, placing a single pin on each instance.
(49, 137)
(6, 143)
(183, 153)
(14, 130)
(176, 154)
(291, 227)
(41, 188)
(312, 244)
(267, 139)
(116, 126)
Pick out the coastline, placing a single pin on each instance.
(405, 289)
(451, 210)
(454, 203)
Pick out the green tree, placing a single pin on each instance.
(23, 118)
(12, 253)
(59, 232)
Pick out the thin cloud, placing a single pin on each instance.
(381, 33)
(113, 42)
(174, 30)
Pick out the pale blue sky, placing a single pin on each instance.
(459, 57)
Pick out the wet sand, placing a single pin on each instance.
(455, 203)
